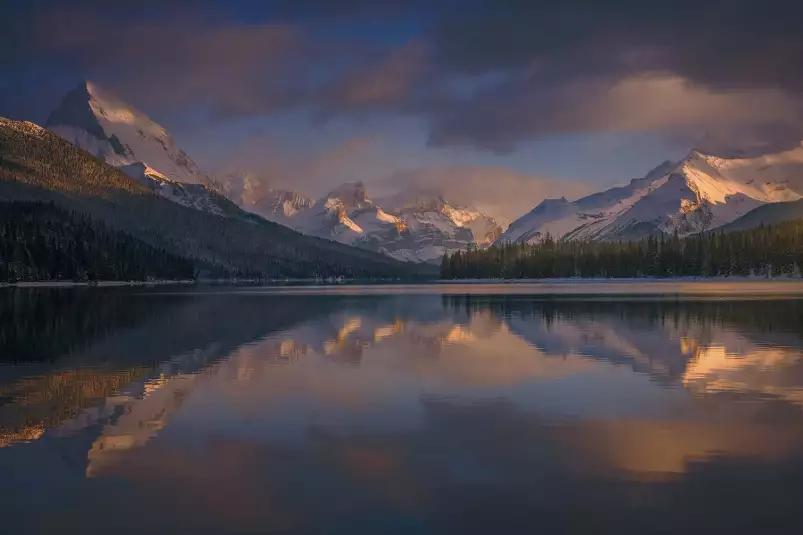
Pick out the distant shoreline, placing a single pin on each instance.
(352, 282)
(582, 280)
(89, 284)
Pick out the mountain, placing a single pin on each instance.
(413, 225)
(37, 165)
(258, 197)
(114, 131)
(701, 192)
(768, 214)
(41, 242)
(422, 229)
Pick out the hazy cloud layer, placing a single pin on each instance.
(495, 190)
(312, 173)
(498, 191)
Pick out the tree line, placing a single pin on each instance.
(42, 242)
(766, 251)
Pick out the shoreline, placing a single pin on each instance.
(90, 284)
(595, 280)
(291, 283)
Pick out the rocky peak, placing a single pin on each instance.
(75, 111)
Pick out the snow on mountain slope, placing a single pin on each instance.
(256, 196)
(114, 131)
(559, 217)
(702, 192)
(413, 225)
(333, 216)
(194, 196)
(416, 201)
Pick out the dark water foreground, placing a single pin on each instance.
(463, 409)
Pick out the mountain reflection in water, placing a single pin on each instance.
(241, 411)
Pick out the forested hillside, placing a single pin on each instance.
(41, 242)
(766, 251)
(36, 165)
(768, 214)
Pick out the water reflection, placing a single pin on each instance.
(243, 412)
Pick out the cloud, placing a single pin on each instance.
(713, 42)
(205, 61)
(169, 64)
(503, 116)
(384, 82)
(498, 191)
(270, 164)
(580, 66)
(487, 74)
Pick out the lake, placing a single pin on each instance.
(564, 407)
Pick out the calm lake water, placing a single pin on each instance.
(557, 408)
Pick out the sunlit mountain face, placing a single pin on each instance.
(238, 410)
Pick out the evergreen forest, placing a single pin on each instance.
(42, 242)
(767, 251)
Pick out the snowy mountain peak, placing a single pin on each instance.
(413, 225)
(257, 195)
(75, 112)
(415, 198)
(114, 110)
(701, 192)
(105, 126)
(350, 194)
(109, 128)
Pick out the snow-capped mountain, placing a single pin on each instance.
(413, 225)
(257, 196)
(112, 130)
(420, 226)
(415, 203)
(701, 192)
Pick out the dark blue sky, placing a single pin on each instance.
(540, 98)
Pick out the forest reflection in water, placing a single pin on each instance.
(243, 411)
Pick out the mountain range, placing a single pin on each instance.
(700, 193)
(416, 226)
(37, 165)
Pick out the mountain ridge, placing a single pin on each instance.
(108, 128)
(410, 225)
(38, 165)
(699, 193)
(413, 224)
(105, 126)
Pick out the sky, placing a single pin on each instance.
(499, 103)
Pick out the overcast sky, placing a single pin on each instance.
(508, 101)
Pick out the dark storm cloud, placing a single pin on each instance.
(560, 62)
(166, 58)
(717, 42)
(485, 73)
